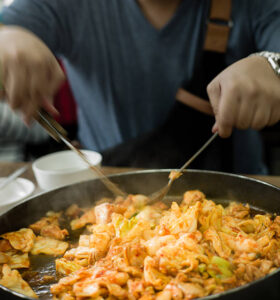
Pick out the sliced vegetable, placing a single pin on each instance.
(123, 225)
(202, 268)
(134, 215)
(219, 268)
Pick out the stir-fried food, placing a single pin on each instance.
(48, 246)
(22, 240)
(13, 280)
(129, 250)
(17, 247)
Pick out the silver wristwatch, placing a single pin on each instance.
(273, 58)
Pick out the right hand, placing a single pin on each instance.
(30, 73)
(245, 95)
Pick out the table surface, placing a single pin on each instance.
(6, 168)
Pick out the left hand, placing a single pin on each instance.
(245, 95)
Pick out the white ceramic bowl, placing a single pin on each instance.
(64, 168)
(14, 193)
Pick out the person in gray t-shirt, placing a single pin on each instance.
(125, 60)
(14, 135)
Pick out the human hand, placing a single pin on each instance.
(30, 74)
(245, 95)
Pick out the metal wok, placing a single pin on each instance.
(220, 187)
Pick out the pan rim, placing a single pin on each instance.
(149, 171)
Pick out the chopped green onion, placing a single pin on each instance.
(202, 268)
(134, 215)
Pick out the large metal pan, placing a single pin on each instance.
(217, 186)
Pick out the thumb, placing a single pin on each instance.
(47, 105)
(215, 127)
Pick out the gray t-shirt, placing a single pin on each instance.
(123, 72)
(14, 135)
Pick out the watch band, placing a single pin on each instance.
(273, 59)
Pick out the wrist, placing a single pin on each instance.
(272, 58)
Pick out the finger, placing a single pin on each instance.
(47, 104)
(17, 89)
(245, 115)
(274, 117)
(3, 95)
(38, 95)
(214, 93)
(43, 86)
(261, 117)
(227, 112)
(28, 112)
(56, 78)
(40, 79)
(2, 90)
(215, 127)
(3, 74)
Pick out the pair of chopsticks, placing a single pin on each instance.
(56, 131)
(59, 134)
(160, 194)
